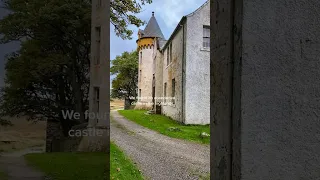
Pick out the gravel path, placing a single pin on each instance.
(16, 167)
(160, 157)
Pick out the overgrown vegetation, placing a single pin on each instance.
(168, 127)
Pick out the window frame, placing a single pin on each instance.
(165, 92)
(206, 37)
(98, 45)
(173, 90)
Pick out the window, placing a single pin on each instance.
(173, 90)
(165, 92)
(206, 36)
(99, 3)
(169, 54)
(96, 100)
(170, 49)
(139, 92)
(140, 57)
(140, 75)
(98, 39)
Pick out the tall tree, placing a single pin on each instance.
(123, 14)
(50, 73)
(125, 67)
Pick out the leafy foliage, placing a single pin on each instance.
(125, 67)
(50, 73)
(122, 15)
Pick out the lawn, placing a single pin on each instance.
(167, 126)
(71, 166)
(3, 176)
(85, 166)
(121, 166)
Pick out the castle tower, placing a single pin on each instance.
(145, 45)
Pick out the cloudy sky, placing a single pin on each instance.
(167, 12)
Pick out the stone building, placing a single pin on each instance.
(98, 113)
(174, 74)
(99, 104)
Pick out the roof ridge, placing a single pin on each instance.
(199, 8)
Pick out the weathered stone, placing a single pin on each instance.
(264, 89)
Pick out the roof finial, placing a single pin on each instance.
(152, 13)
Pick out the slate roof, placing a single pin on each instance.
(152, 29)
(162, 42)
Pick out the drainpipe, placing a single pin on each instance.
(183, 71)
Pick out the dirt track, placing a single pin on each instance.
(160, 157)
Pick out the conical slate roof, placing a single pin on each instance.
(152, 29)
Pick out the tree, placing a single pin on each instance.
(50, 73)
(124, 86)
(122, 15)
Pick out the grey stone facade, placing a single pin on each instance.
(265, 84)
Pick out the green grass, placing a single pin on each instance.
(85, 166)
(71, 166)
(163, 124)
(3, 175)
(127, 169)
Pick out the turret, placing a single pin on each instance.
(145, 45)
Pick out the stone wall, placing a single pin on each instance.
(158, 78)
(54, 134)
(57, 142)
(265, 84)
(96, 143)
(171, 71)
(145, 77)
(280, 79)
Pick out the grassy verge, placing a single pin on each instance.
(121, 166)
(167, 126)
(67, 166)
(3, 175)
(85, 166)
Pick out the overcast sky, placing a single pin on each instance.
(167, 12)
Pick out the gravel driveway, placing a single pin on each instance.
(16, 167)
(160, 157)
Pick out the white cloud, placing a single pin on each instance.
(171, 11)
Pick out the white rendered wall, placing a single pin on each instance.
(197, 89)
